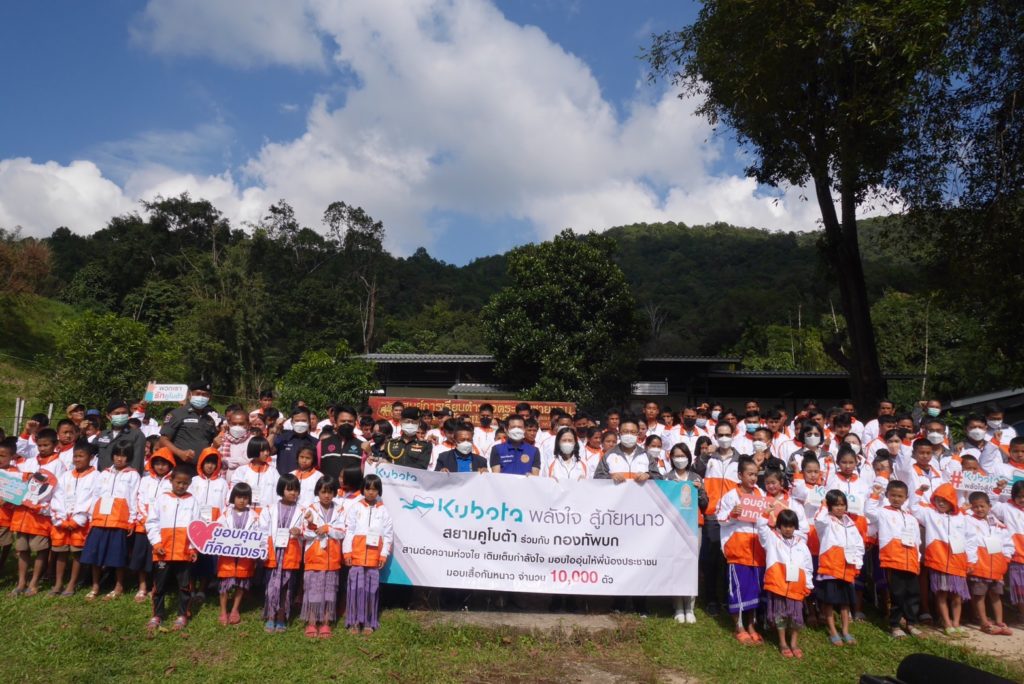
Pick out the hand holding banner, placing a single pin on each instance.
(753, 507)
(13, 488)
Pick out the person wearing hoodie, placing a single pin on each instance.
(209, 486)
(945, 553)
(155, 482)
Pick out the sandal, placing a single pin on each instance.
(848, 638)
(756, 638)
(141, 596)
(836, 640)
(67, 593)
(114, 595)
(223, 619)
(990, 629)
(153, 625)
(92, 595)
(16, 592)
(797, 653)
(325, 632)
(180, 623)
(786, 652)
(914, 631)
(311, 631)
(29, 592)
(269, 626)
(234, 618)
(367, 631)
(1003, 630)
(55, 592)
(744, 638)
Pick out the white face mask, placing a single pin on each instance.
(715, 414)
(856, 448)
(977, 434)
(702, 422)
(725, 441)
(656, 452)
(138, 415)
(936, 437)
(628, 441)
(301, 428)
(812, 440)
(567, 447)
(238, 431)
(760, 446)
(464, 447)
(409, 429)
(680, 463)
(995, 424)
(516, 434)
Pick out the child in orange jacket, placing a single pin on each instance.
(74, 498)
(236, 573)
(112, 520)
(284, 556)
(173, 554)
(989, 549)
(840, 558)
(945, 553)
(8, 450)
(323, 531)
(31, 522)
(369, 535)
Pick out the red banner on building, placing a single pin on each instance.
(502, 407)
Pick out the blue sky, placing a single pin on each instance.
(468, 126)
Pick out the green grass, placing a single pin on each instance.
(58, 640)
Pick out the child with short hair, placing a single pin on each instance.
(1011, 514)
(989, 548)
(899, 542)
(743, 553)
(112, 520)
(236, 573)
(74, 498)
(841, 555)
(787, 578)
(284, 556)
(155, 482)
(323, 532)
(173, 554)
(307, 473)
(259, 474)
(945, 553)
(369, 535)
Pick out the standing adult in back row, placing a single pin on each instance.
(191, 428)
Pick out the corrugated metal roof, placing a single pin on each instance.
(693, 359)
(427, 358)
(478, 388)
(798, 374)
(986, 398)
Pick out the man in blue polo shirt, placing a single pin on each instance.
(514, 456)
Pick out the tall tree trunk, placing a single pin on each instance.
(842, 252)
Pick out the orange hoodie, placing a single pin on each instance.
(945, 534)
(211, 492)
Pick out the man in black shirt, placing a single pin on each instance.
(342, 449)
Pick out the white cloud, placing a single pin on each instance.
(459, 111)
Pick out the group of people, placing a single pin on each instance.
(853, 510)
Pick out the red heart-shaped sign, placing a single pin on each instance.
(200, 532)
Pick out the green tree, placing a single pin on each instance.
(320, 378)
(362, 241)
(99, 357)
(822, 93)
(566, 327)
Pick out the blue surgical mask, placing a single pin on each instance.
(933, 412)
(752, 428)
(199, 402)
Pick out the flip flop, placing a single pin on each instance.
(797, 653)
(53, 592)
(16, 592)
(836, 640)
(849, 638)
(113, 596)
(30, 592)
(153, 625)
(756, 638)
(67, 593)
(180, 624)
(744, 638)
(141, 596)
(786, 652)
(92, 595)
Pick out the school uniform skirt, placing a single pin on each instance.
(745, 584)
(319, 595)
(781, 611)
(1016, 578)
(142, 554)
(835, 593)
(106, 547)
(953, 584)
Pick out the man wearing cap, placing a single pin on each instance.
(75, 413)
(191, 428)
(118, 415)
(406, 450)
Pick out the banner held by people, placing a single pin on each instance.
(531, 534)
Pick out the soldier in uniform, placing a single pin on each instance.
(406, 449)
(191, 428)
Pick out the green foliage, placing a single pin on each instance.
(99, 357)
(780, 347)
(321, 378)
(567, 325)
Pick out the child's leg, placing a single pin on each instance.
(956, 606)
(830, 618)
(751, 620)
(24, 560)
(183, 576)
(996, 601)
(119, 580)
(76, 568)
(923, 590)
(978, 606)
(96, 571)
(239, 595)
(58, 575)
(783, 643)
(37, 569)
(5, 551)
(794, 634)
(143, 581)
(223, 605)
(942, 606)
(160, 573)
(844, 616)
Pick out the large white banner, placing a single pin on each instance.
(533, 534)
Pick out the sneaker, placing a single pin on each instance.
(691, 619)
(897, 633)
(925, 617)
(681, 617)
(280, 627)
(712, 610)
(913, 631)
(269, 626)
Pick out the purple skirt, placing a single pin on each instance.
(319, 595)
(363, 597)
(1016, 576)
(745, 584)
(940, 581)
(226, 585)
(784, 612)
(280, 588)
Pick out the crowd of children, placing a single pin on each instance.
(854, 511)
